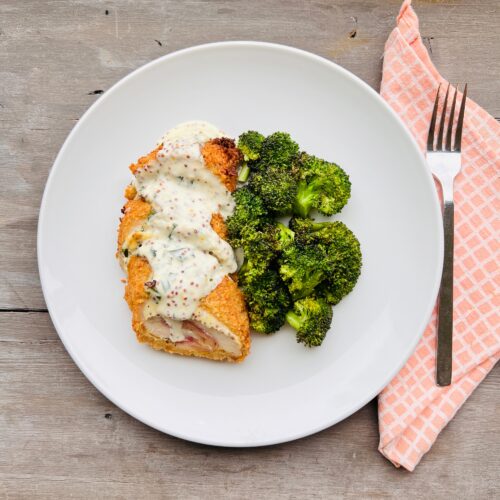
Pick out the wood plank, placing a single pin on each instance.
(59, 437)
(55, 55)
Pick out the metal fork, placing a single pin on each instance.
(444, 160)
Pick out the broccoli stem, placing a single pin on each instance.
(244, 173)
(294, 320)
(303, 200)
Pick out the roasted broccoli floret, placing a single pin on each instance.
(249, 212)
(284, 237)
(250, 144)
(322, 185)
(259, 249)
(267, 300)
(278, 149)
(345, 261)
(277, 187)
(266, 295)
(302, 268)
(275, 174)
(308, 231)
(311, 318)
(342, 251)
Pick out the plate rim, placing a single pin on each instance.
(427, 175)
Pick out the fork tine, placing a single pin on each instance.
(460, 123)
(432, 126)
(450, 122)
(439, 145)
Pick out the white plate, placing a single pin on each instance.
(282, 391)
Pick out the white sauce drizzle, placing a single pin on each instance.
(187, 256)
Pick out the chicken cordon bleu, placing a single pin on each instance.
(180, 269)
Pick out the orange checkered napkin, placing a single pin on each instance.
(412, 409)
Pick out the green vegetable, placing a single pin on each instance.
(265, 293)
(277, 187)
(342, 255)
(283, 237)
(311, 317)
(250, 144)
(258, 247)
(312, 263)
(302, 268)
(323, 186)
(244, 173)
(267, 299)
(249, 212)
(270, 166)
(278, 149)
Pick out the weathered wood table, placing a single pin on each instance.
(58, 436)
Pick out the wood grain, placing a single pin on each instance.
(58, 436)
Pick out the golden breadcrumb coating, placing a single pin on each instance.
(222, 157)
(144, 160)
(135, 212)
(139, 271)
(130, 192)
(219, 226)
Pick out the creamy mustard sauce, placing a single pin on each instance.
(187, 256)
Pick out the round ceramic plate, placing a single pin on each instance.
(283, 390)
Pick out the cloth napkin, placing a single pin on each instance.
(412, 409)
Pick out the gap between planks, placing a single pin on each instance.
(24, 310)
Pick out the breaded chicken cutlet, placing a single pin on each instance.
(171, 244)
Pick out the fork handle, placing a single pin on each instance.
(445, 307)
